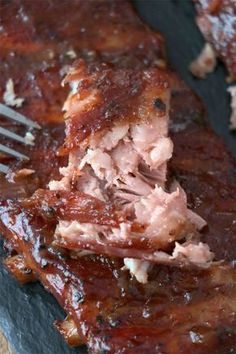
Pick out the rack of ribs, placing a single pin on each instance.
(108, 310)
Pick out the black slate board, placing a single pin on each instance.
(27, 313)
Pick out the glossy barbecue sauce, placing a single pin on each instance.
(178, 311)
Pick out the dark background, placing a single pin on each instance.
(27, 313)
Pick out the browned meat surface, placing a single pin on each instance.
(101, 97)
(178, 311)
(72, 206)
(34, 54)
(115, 314)
(217, 22)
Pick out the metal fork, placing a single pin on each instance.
(15, 116)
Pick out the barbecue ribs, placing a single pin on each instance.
(178, 310)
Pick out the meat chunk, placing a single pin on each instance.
(118, 145)
(138, 268)
(217, 22)
(205, 63)
(9, 95)
(102, 97)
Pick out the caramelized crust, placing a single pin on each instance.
(35, 47)
(54, 205)
(102, 96)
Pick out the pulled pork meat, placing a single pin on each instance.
(216, 20)
(205, 63)
(114, 197)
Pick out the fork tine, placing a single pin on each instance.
(14, 136)
(10, 113)
(4, 168)
(12, 152)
